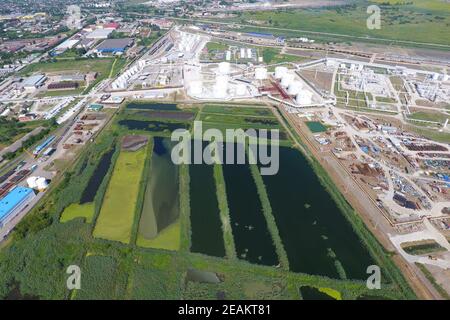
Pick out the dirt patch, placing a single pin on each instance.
(133, 142)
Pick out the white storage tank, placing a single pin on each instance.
(287, 79)
(241, 89)
(294, 88)
(220, 87)
(260, 73)
(31, 181)
(304, 97)
(242, 53)
(280, 72)
(224, 68)
(41, 184)
(195, 88)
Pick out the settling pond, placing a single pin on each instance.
(315, 234)
(161, 200)
(97, 177)
(206, 235)
(252, 238)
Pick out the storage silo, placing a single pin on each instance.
(304, 97)
(260, 73)
(242, 53)
(220, 87)
(41, 184)
(294, 88)
(241, 89)
(31, 181)
(195, 88)
(287, 79)
(280, 72)
(224, 68)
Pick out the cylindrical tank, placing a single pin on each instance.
(31, 181)
(41, 183)
(260, 73)
(242, 53)
(294, 88)
(224, 68)
(241, 89)
(280, 72)
(287, 79)
(221, 86)
(195, 88)
(304, 97)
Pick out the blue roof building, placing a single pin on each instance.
(13, 201)
(114, 45)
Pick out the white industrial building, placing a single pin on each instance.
(33, 82)
(99, 34)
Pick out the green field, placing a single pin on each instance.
(216, 46)
(429, 116)
(117, 213)
(429, 20)
(273, 56)
(238, 110)
(76, 210)
(102, 66)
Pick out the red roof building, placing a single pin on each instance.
(111, 25)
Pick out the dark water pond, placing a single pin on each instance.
(315, 234)
(206, 227)
(152, 126)
(252, 238)
(311, 293)
(96, 179)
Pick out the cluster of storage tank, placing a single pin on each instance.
(121, 82)
(292, 86)
(39, 183)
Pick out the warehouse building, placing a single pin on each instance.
(66, 85)
(33, 82)
(14, 202)
(99, 34)
(114, 45)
